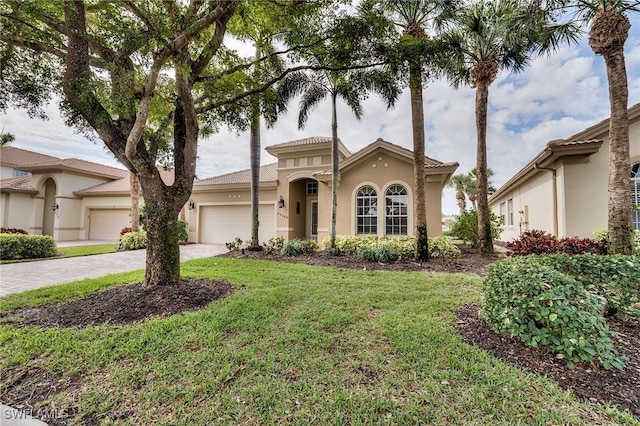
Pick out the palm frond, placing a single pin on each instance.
(311, 97)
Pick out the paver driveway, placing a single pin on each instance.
(17, 277)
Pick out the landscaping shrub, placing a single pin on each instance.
(539, 242)
(19, 246)
(443, 248)
(125, 231)
(133, 240)
(383, 253)
(13, 231)
(274, 245)
(183, 235)
(299, 246)
(614, 277)
(465, 227)
(529, 299)
(234, 245)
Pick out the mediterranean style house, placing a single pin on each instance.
(74, 199)
(563, 190)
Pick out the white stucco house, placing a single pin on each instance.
(563, 190)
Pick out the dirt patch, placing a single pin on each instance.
(124, 304)
(469, 262)
(587, 381)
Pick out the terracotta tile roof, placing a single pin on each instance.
(301, 142)
(75, 164)
(17, 157)
(17, 184)
(121, 186)
(268, 173)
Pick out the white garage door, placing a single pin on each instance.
(106, 224)
(222, 224)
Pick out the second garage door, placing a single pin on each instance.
(222, 224)
(106, 224)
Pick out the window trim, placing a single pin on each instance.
(404, 216)
(373, 227)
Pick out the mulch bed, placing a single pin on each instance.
(587, 381)
(125, 304)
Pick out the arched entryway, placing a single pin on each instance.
(49, 213)
(303, 208)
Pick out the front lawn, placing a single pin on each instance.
(88, 250)
(294, 344)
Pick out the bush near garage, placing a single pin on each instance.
(19, 246)
(133, 240)
(533, 299)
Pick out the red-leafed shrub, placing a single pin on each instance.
(13, 231)
(533, 242)
(575, 245)
(125, 231)
(539, 242)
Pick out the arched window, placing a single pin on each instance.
(367, 211)
(635, 194)
(396, 203)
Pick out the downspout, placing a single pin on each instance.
(554, 175)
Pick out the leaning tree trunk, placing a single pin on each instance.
(334, 172)
(482, 75)
(607, 36)
(462, 201)
(135, 202)
(417, 126)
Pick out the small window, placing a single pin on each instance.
(312, 187)
(21, 173)
(503, 213)
(366, 211)
(396, 205)
(510, 211)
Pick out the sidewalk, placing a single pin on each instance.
(18, 277)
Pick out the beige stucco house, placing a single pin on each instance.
(92, 201)
(375, 194)
(39, 194)
(563, 190)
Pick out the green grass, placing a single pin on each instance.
(87, 250)
(295, 344)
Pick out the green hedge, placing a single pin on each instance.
(386, 249)
(539, 300)
(19, 246)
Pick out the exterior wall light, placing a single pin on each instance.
(55, 206)
(191, 205)
(281, 202)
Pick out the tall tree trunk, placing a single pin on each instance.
(135, 202)
(607, 36)
(255, 176)
(462, 202)
(417, 127)
(334, 171)
(484, 221)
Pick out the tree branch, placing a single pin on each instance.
(145, 20)
(215, 43)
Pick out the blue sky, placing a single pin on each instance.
(555, 97)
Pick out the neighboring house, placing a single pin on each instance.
(38, 195)
(375, 194)
(75, 200)
(563, 190)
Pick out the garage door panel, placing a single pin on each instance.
(221, 224)
(106, 224)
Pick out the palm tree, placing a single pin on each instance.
(461, 183)
(415, 18)
(607, 36)
(350, 85)
(6, 139)
(489, 37)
